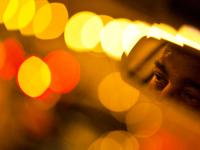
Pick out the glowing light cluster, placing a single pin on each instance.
(186, 35)
(86, 30)
(58, 73)
(115, 94)
(119, 140)
(44, 80)
(31, 17)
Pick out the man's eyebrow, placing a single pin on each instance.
(162, 67)
(192, 83)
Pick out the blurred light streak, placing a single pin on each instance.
(111, 37)
(14, 56)
(74, 29)
(65, 70)
(190, 36)
(164, 31)
(47, 24)
(28, 30)
(26, 13)
(90, 34)
(3, 6)
(115, 94)
(34, 77)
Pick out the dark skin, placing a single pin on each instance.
(176, 76)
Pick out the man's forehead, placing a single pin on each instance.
(184, 51)
(180, 65)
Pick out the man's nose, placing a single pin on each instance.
(170, 91)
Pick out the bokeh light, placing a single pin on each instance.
(47, 24)
(132, 34)
(119, 140)
(34, 77)
(26, 13)
(115, 94)
(2, 55)
(96, 144)
(164, 140)
(65, 70)
(42, 19)
(144, 119)
(124, 138)
(190, 36)
(28, 29)
(90, 35)
(164, 31)
(74, 29)
(105, 19)
(111, 38)
(108, 144)
(10, 10)
(14, 56)
(3, 6)
(12, 23)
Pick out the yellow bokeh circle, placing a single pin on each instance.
(115, 94)
(34, 77)
(73, 30)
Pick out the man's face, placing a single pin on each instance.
(176, 75)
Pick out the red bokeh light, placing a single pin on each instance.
(14, 56)
(2, 55)
(65, 71)
(163, 140)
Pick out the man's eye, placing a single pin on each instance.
(160, 80)
(191, 97)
